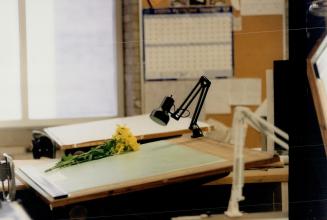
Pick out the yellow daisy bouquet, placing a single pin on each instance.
(122, 141)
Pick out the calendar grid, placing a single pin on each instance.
(186, 46)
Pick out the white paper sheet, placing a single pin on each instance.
(218, 98)
(237, 23)
(245, 91)
(262, 7)
(236, 4)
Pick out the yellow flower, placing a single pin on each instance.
(119, 148)
(125, 141)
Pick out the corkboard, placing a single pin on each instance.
(256, 46)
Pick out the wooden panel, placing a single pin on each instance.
(205, 145)
(257, 176)
(255, 48)
(319, 95)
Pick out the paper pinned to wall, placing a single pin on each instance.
(245, 91)
(222, 94)
(218, 101)
(236, 4)
(237, 23)
(262, 7)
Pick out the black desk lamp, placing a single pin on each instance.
(161, 114)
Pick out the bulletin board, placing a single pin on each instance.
(256, 46)
(257, 42)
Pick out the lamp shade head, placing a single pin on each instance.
(161, 114)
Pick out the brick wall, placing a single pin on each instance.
(131, 48)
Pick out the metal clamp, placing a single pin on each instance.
(43, 145)
(7, 174)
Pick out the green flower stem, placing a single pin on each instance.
(122, 141)
(105, 150)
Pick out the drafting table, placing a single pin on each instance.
(96, 132)
(156, 164)
(271, 175)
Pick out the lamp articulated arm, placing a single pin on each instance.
(242, 117)
(161, 114)
(201, 88)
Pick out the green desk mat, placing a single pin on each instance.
(152, 159)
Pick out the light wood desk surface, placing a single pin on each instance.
(270, 175)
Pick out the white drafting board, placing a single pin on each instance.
(85, 134)
(153, 159)
(186, 45)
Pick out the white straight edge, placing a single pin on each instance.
(270, 106)
(37, 181)
(284, 186)
(119, 61)
(142, 78)
(23, 60)
(285, 31)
